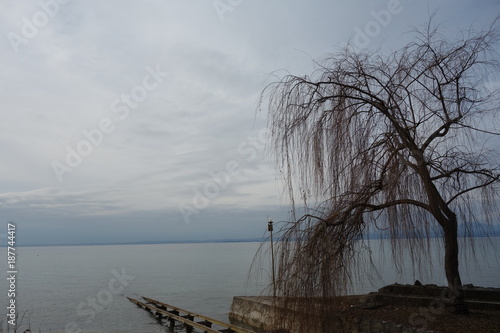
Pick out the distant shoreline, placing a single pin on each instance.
(247, 240)
(214, 241)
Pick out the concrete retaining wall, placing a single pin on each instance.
(258, 312)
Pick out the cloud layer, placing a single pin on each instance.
(159, 100)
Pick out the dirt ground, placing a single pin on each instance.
(436, 319)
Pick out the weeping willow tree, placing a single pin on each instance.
(396, 142)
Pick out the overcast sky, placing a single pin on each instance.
(128, 121)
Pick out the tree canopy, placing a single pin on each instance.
(397, 142)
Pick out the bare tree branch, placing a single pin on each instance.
(383, 141)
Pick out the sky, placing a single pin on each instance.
(139, 121)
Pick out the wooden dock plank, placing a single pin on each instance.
(212, 320)
(176, 317)
(187, 317)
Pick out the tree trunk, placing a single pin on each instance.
(456, 297)
(448, 221)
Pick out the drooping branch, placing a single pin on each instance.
(372, 141)
(492, 181)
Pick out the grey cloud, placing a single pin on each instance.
(202, 116)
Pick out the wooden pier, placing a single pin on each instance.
(190, 319)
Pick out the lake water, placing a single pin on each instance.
(84, 287)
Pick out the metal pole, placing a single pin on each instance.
(270, 229)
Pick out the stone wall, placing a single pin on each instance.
(258, 312)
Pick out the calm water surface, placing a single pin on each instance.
(84, 287)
